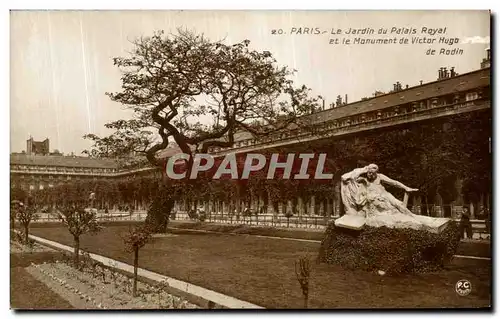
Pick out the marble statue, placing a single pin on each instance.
(367, 202)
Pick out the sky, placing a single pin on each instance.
(61, 61)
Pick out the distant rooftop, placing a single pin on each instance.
(66, 161)
(76, 161)
(462, 82)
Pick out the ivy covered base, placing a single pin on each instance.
(390, 250)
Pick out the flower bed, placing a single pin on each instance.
(17, 247)
(97, 287)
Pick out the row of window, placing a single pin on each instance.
(62, 170)
(365, 117)
(50, 177)
(32, 187)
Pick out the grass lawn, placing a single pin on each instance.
(471, 248)
(26, 292)
(261, 271)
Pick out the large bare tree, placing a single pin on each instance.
(196, 94)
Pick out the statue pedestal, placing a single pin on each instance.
(399, 221)
(437, 225)
(350, 222)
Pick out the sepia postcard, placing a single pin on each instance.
(189, 160)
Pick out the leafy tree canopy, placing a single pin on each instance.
(188, 91)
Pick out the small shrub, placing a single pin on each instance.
(303, 273)
(17, 237)
(78, 221)
(202, 216)
(193, 215)
(25, 215)
(134, 240)
(288, 214)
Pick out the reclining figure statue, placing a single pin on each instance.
(367, 202)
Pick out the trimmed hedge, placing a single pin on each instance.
(391, 250)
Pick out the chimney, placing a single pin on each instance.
(394, 87)
(323, 104)
(452, 71)
(407, 86)
(445, 72)
(421, 82)
(339, 100)
(345, 102)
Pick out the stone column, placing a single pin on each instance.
(237, 204)
(270, 208)
(217, 206)
(481, 203)
(488, 201)
(313, 205)
(416, 205)
(253, 203)
(260, 202)
(328, 209)
(336, 207)
(305, 206)
(300, 208)
(322, 208)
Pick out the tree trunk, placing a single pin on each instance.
(424, 209)
(159, 213)
(136, 265)
(76, 253)
(306, 301)
(26, 238)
